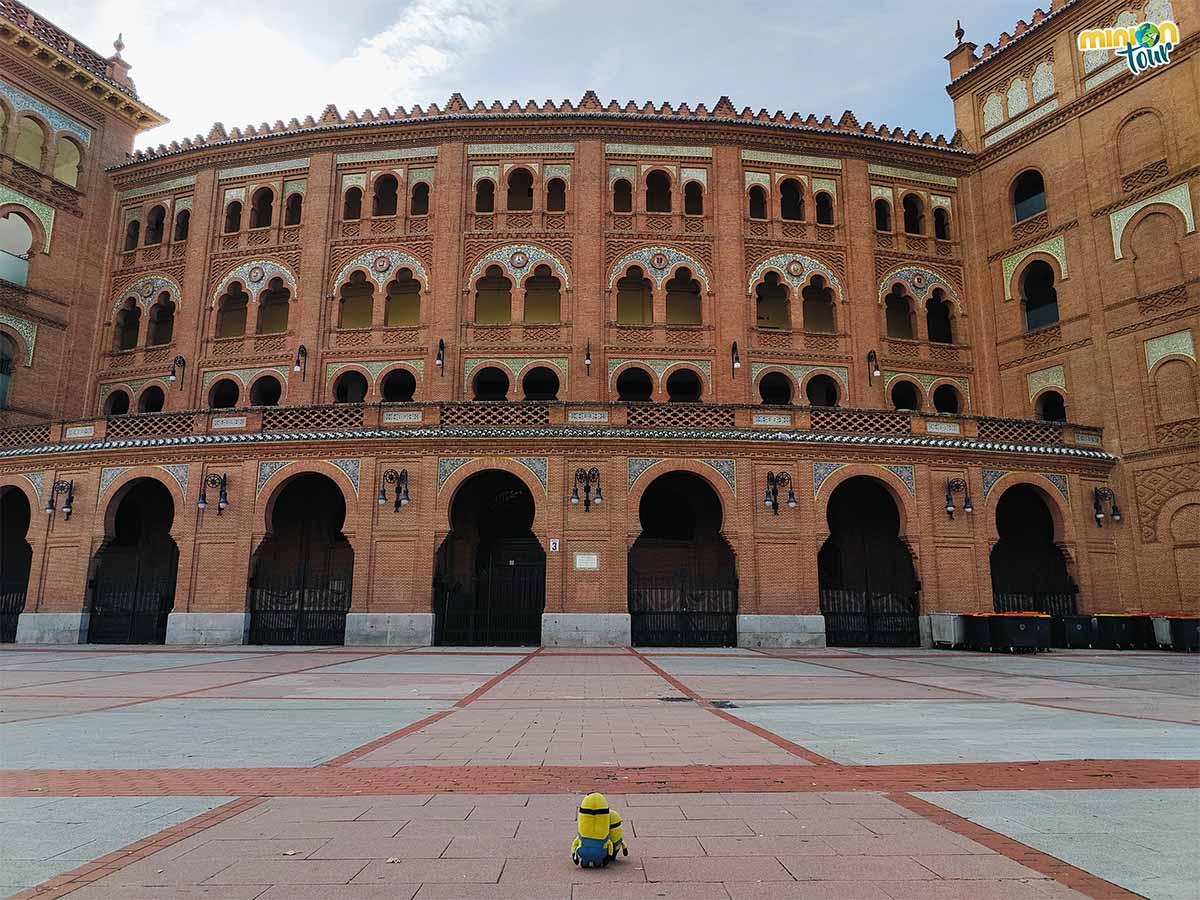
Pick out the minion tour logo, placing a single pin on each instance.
(1143, 47)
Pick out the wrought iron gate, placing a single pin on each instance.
(503, 604)
(861, 618)
(682, 610)
(300, 609)
(1056, 603)
(129, 609)
(12, 603)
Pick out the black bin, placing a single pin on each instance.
(1017, 633)
(1125, 633)
(1073, 631)
(1185, 634)
(977, 632)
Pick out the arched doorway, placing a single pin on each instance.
(15, 558)
(302, 573)
(1029, 572)
(489, 578)
(869, 588)
(133, 581)
(683, 588)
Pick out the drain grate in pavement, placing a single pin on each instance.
(724, 704)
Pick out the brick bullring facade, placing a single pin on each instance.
(589, 372)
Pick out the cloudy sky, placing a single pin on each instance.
(240, 61)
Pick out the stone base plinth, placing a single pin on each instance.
(53, 628)
(207, 628)
(781, 631)
(585, 629)
(389, 629)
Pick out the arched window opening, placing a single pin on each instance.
(154, 225)
(758, 202)
(914, 215)
(485, 196)
(821, 390)
(231, 311)
(352, 204)
(775, 389)
(266, 391)
(791, 200)
(133, 234)
(399, 386)
(223, 394)
(905, 396)
(818, 306)
(824, 209)
(233, 217)
(183, 224)
(490, 383)
(937, 318)
(683, 299)
(658, 192)
(16, 246)
(1040, 296)
(622, 196)
(772, 306)
(683, 386)
(540, 383)
(129, 320)
(543, 300)
(385, 201)
(66, 162)
(1029, 195)
(357, 302)
(350, 387)
(898, 311)
(693, 199)
(152, 400)
(293, 209)
(117, 403)
(262, 208)
(635, 299)
(273, 305)
(635, 385)
(403, 300)
(8, 362)
(31, 143)
(1051, 407)
(419, 203)
(941, 224)
(556, 195)
(1029, 571)
(162, 321)
(493, 298)
(946, 400)
(520, 190)
(883, 215)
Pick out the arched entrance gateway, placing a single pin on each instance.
(1029, 572)
(869, 588)
(15, 557)
(133, 572)
(683, 588)
(489, 582)
(303, 570)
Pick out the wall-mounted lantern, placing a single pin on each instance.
(1100, 496)
(771, 495)
(872, 367)
(301, 363)
(958, 486)
(62, 487)
(400, 480)
(213, 480)
(587, 478)
(178, 364)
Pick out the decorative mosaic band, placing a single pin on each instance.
(558, 170)
(912, 175)
(23, 102)
(905, 474)
(374, 366)
(351, 467)
(515, 364)
(1055, 376)
(637, 465)
(146, 290)
(478, 173)
(266, 469)
(1055, 247)
(760, 178)
(658, 262)
(26, 329)
(669, 150)
(1179, 342)
(534, 166)
(520, 260)
(424, 173)
(1017, 124)
(245, 376)
(799, 372)
(879, 192)
(821, 472)
(381, 266)
(295, 186)
(519, 149)
(919, 282)
(927, 381)
(448, 465)
(700, 175)
(991, 476)
(365, 156)
(279, 165)
(1179, 197)
(660, 366)
(36, 481)
(254, 276)
(538, 465)
(792, 159)
(615, 172)
(178, 471)
(794, 269)
(160, 187)
(43, 212)
(726, 469)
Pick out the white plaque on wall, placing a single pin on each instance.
(229, 422)
(587, 561)
(405, 416)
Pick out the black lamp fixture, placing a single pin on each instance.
(62, 487)
(737, 358)
(400, 480)
(440, 359)
(301, 363)
(587, 357)
(178, 364)
(214, 480)
(587, 478)
(872, 367)
(1099, 496)
(771, 495)
(958, 486)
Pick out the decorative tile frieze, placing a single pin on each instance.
(254, 276)
(245, 376)
(23, 102)
(536, 149)
(700, 175)
(1018, 97)
(1177, 343)
(905, 474)
(402, 416)
(538, 465)
(1060, 483)
(358, 180)
(36, 480)
(42, 211)
(516, 364)
(794, 269)
(825, 184)
(448, 465)
(1055, 247)
(279, 165)
(927, 381)
(1054, 376)
(639, 464)
(178, 471)
(374, 366)
(381, 266)
(937, 200)
(792, 159)
(159, 187)
(1178, 196)
(267, 470)
(588, 416)
(726, 469)
(615, 172)
(1043, 81)
(1038, 112)
(182, 203)
(660, 366)
(519, 260)
(822, 471)
(231, 194)
(351, 467)
(911, 175)
(919, 281)
(668, 150)
(990, 477)
(1092, 440)
(800, 372)
(773, 419)
(943, 428)
(367, 156)
(295, 186)
(534, 166)
(134, 387)
(658, 262)
(424, 174)
(229, 422)
(761, 178)
(78, 432)
(26, 329)
(146, 290)
(1105, 75)
(993, 112)
(108, 475)
(879, 192)
(478, 173)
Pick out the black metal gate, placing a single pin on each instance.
(303, 609)
(682, 610)
(12, 603)
(860, 618)
(127, 609)
(1056, 603)
(503, 604)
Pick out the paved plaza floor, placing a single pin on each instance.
(264, 773)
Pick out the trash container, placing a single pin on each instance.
(1020, 632)
(977, 633)
(1162, 632)
(1124, 632)
(947, 630)
(1185, 633)
(1073, 631)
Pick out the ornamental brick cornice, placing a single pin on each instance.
(61, 198)
(1038, 238)
(1148, 191)
(1142, 324)
(1045, 354)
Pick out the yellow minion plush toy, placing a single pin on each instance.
(616, 836)
(591, 847)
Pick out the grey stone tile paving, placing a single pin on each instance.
(44, 837)
(753, 665)
(115, 662)
(1143, 840)
(430, 664)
